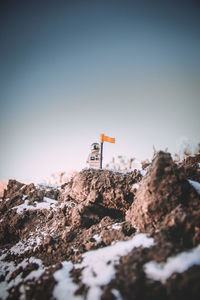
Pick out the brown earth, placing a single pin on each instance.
(42, 226)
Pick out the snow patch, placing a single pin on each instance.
(19, 248)
(99, 264)
(117, 294)
(50, 201)
(32, 242)
(97, 238)
(46, 204)
(143, 172)
(117, 171)
(179, 263)
(94, 293)
(196, 185)
(116, 226)
(65, 288)
(135, 185)
(7, 268)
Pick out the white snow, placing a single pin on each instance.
(117, 171)
(46, 204)
(196, 185)
(135, 185)
(75, 250)
(65, 287)
(94, 293)
(49, 200)
(116, 226)
(143, 172)
(7, 268)
(99, 264)
(22, 292)
(35, 274)
(116, 293)
(179, 263)
(19, 248)
(97, 238)
(34, 240)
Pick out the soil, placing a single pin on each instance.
(42, 226)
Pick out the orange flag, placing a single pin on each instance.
(107, 139)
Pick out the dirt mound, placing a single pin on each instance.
(105, 188)
(103, 235)
(162, 189)
(191, 166)
(93, 194)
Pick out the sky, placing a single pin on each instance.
(71, 70)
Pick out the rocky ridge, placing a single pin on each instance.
(104, 235)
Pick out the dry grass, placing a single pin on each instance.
(186, 153)
(121, 163)
(60, 177)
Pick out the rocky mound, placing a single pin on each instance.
(104, 235)
(191, 167)
(163, 189)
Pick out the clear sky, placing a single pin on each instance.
(70, 70)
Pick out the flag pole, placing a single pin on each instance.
(102, 140)
(101, 156)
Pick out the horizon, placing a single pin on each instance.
(185, 150)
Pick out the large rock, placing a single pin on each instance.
(162, 189)
(107, 188)
(191, 167)
(99, 193)
(13, 187)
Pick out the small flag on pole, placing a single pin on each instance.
(107, 139)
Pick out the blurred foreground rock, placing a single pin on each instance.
(162, 189)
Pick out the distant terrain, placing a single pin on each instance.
(104, 234)
(3, 185)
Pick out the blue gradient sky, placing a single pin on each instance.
(70, 70)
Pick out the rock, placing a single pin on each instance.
(191, 167)
(52, 193)
(26, 189)
(99, 193)
(12, 187)
(50, 215)
(104, 188)
(109, 235)
(30, 267)
(68, 235)
(48, 241)
(162, 189)
(35, 195)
